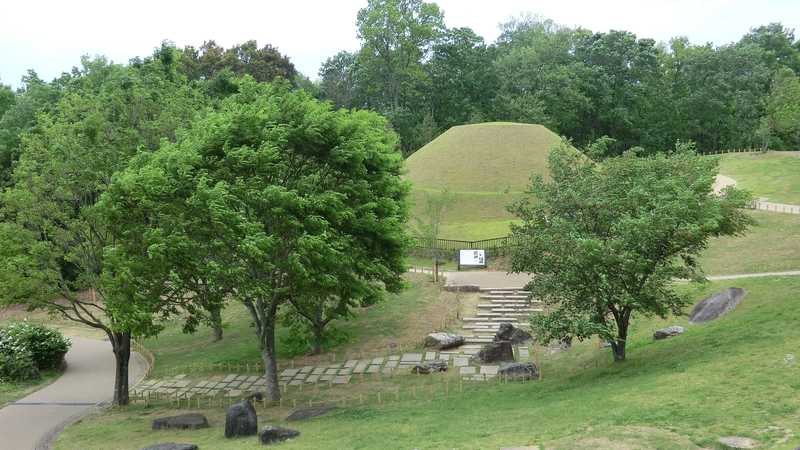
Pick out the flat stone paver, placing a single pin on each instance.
(460, 361)
(391, 364)
(411, 357)
(360, 367)
(351, 363)
(467, 370)
(373, 369)
(394, 358)
(430, 356)
(489, 370)
(341, 379)
(377, 361)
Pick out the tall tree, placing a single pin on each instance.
(607, 239)
(299, 196)
(106, 115)
(397, 36)
(783, 109)
(262, 63)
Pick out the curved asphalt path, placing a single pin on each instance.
(32, 423)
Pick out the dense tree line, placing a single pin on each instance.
(426, 78)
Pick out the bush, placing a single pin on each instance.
(46, 346)
(18, 366)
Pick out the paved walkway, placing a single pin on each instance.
(487, 279)
(34, 421)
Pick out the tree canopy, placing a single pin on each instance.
(606, 239)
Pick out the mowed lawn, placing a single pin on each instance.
(739, 375)
(772, 244)
(774, 175)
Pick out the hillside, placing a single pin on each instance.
(774, 175)
(737, 376)
(486, 166)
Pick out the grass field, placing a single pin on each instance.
(774, 175)
(736, 376)
(485, 167)
(772, 244)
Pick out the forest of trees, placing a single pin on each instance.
(425, 78)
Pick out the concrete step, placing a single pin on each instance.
(496, 319)
(505, 297)
(503, 289)
(503, 305)
(494, 314)
(510, 310)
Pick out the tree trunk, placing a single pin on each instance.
(121, 346)
(618, 345)
(316, 345)
(216, 323)
(268, 356)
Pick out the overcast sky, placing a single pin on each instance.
(51, 35)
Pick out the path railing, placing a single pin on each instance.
(775, 207)
(498, 246)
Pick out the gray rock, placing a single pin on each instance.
(191, 421)
(430, 366)
(497, 351)
(737, 442)
(717, 305)
(241, 420)
(308, 413)
(508, 332)
(664, 333)
(518, 371)
(442, 341)
(271, 434)
(171, 446)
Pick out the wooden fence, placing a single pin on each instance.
(447, 247)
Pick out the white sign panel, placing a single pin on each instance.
(472, 257)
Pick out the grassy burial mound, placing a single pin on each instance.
(485, 167)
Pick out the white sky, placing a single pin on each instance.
(51, 35)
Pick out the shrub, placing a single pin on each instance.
(17, 366)
(46, 346)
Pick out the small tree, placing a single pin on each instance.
(428, 221)
(606, 240)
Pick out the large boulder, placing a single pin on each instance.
(171, 446)
(241, 420)
(497, 351)
(664, 333)
(518, 371)
(430, 366)
(308, 413)
(442, 341)
(271, 434)
(717, 305)
(191, 421)
(508, 332)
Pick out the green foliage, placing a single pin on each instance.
(45, 346)
(280, 196)
(264, 64)
(17, 366)
(783, 109)
(606, 240)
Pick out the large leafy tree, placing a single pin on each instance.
(210, 60)
(58, 238)
(606, 240)
(291, 199)
(783, 109)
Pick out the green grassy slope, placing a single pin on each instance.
(771, 245)
(739, 376)
(774, 175)
(486, 166)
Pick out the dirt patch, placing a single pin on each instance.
(623, 438)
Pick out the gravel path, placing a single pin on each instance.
(34, 421)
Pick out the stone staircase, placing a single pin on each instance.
(512, 305)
